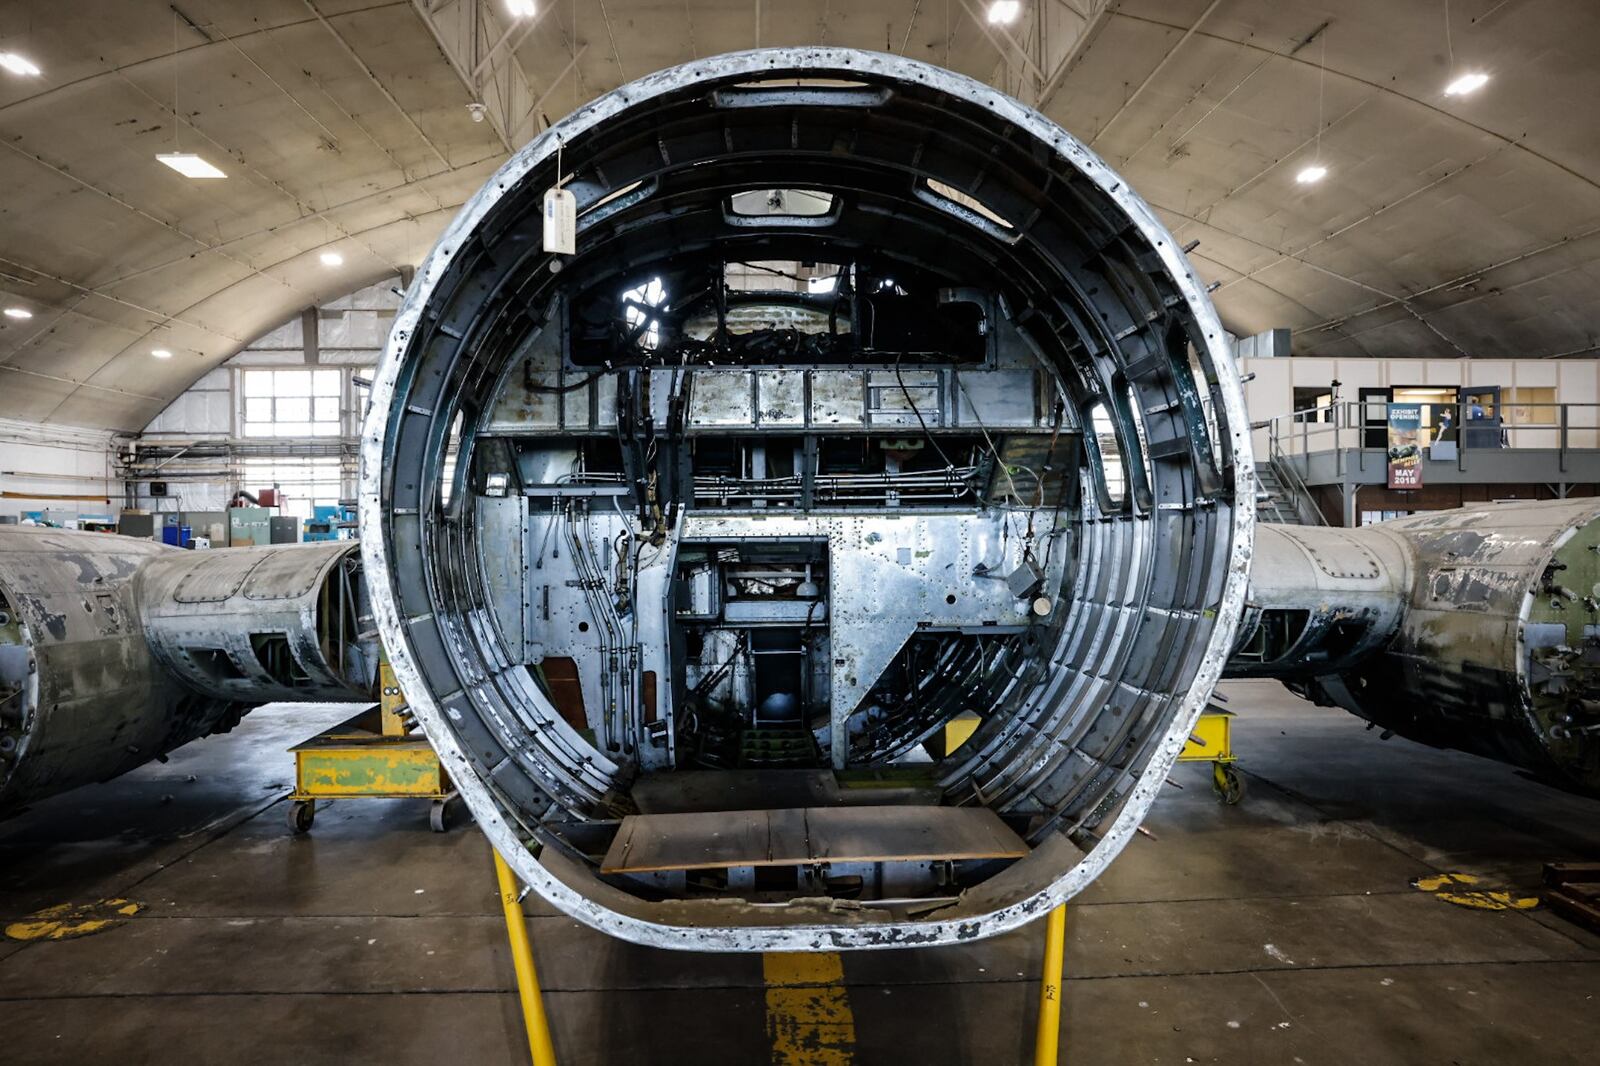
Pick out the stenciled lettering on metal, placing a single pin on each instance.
(871, 401)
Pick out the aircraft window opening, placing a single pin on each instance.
(968, 201)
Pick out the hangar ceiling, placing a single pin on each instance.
(1446, 226)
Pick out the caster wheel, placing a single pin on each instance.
(1227, 783)
(301, 814)
(443, 813)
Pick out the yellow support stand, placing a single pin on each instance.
(375, 755)
(1212, 742)
(533, 1016)
(1047, 1044)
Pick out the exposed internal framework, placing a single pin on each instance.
(871, 398)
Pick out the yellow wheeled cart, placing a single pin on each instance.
(377, 754)
(1212, 742)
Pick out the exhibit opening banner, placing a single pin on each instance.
(1405, 446)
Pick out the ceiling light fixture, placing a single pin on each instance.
(521, 9)
(332, 259)
(1003, 11)
(17, 65)
(186, 163)
(160, 353)
(18, 312)
(189, 165)
(1467, 83)
(1314, 173)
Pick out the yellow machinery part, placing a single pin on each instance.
(1211, 740)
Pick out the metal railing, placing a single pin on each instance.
(1301, 497)
(1363, 426)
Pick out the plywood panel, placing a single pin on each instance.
(648, 842)
(1537, 372)
(1490, 372)
(1314, 373)
(1270, 394)
(1362, 374)
(1443, 372)
(1579, 388)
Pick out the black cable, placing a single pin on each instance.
(771, 270)
(574, 387)
(948, 465)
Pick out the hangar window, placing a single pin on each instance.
(639, 305)
(302, 483)
(291, 403)
(1106, 446)
(791, 203)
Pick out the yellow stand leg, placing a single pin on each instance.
(1046, 1048)
(539, 1044)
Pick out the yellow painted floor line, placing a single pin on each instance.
(808, 1011)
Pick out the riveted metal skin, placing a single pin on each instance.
(1343, 590)
(92, 702)
(90, 683)
(1476, 628)
(1111, 683)
(262, 624)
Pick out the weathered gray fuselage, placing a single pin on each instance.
(870, 397)
(1476, 629)
(114, 651)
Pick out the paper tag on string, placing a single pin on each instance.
(560, 221)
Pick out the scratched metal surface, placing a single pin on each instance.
(1479, 628)
(1109, 692)
(94, 676)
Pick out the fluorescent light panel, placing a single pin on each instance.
(17, 65)
(18, 312)
(189, 165)
(332, 259)
(160, 353)
(1311, 174)
(1002, 11)
(1467, 83)
(522, 9)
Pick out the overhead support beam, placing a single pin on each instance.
(555, 82)
(377, 83)
(476, 40)
(1068, 38)
(85, 291)
(1010, 51)
(1159, 67)
(518, 30)
(84, 384)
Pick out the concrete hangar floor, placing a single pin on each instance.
(1283, 930)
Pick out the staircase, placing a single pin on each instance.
(1274, 500)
